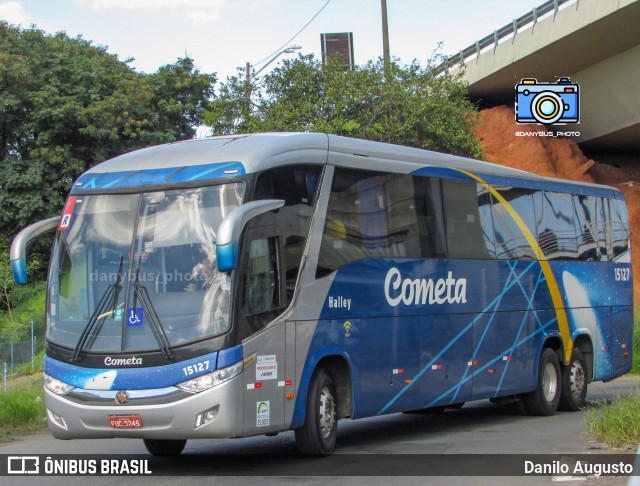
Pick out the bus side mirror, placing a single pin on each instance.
(18, 254)
(228, 236)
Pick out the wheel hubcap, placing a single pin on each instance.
(549, 382)
(327, 412)
(577, 380)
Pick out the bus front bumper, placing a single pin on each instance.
(148, 414)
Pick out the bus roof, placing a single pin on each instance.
(228, 156)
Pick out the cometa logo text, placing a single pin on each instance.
(421, 291)
(132, 361)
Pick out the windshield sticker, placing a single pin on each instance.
(262, 414)
(135, 317)
(118, 314)
(65, 220)
(266, 368)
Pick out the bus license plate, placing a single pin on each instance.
(125, 422)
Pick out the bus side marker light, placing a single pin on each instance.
(605, 348)
(491, 372)
(506, 358)
(472, 363)
(290, 396)
(398, 371)
(436, 367)
(408, 382)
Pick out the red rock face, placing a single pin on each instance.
(557, 157)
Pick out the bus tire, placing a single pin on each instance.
(574, 383)
(162, 447)
(317, 437)
(545, 398)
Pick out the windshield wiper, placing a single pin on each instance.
(140, 292)
(112, 291)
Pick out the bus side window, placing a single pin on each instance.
(485, 204)
(262, 287)
(375, 215)
(603, 230)
(510, 241)
(296, 185)
(584, 207)
(462, 220)
(556, 225)
(619, 235)
(429, 216)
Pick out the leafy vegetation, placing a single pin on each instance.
(68, 105)
(616, 424)
(22, 410)
(409, 105)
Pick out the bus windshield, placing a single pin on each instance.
(137, 272)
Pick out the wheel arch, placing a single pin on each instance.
(555, 343)
(581, 341)
(584, 343)
(338, 365)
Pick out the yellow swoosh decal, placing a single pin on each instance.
(556, 297)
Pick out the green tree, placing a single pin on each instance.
(67, 105)
(411, 106)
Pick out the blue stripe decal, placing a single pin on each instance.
(130, 378)
(511, 181)
(489, 363)
(111, 180)
(492, 306)
(230, 356)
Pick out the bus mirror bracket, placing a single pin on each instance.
(18, 254)
(228, 236)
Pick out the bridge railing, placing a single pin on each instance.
(508, 30)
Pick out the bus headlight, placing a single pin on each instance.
(205, 382)
(56, 386)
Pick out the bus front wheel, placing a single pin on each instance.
(545, 398)
(574, 383)
(317, 437)
(159, 447)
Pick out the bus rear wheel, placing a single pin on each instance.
(574, 383)
(544, 400)
(161, 447)
(317, 437)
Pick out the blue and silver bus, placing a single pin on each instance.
(244, 285)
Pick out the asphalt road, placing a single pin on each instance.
(477, 428)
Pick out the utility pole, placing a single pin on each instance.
(385, 39)
(247, 86)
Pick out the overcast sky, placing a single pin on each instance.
(222, 35)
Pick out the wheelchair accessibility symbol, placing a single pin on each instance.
(135, 316)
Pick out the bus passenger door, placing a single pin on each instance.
(261, 299)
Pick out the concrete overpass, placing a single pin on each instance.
(594, 42)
